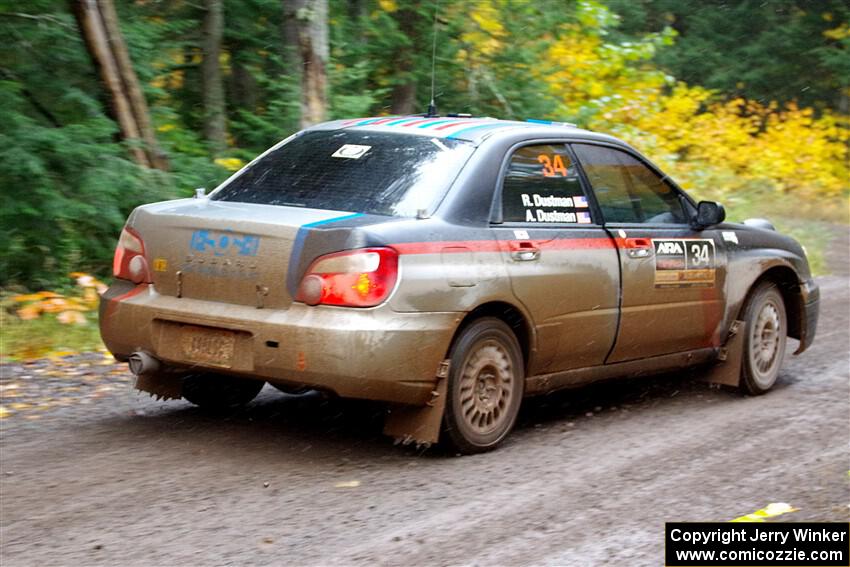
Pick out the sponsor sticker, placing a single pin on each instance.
(224, 243)
(554, 208)
(729, 236)
(684, 262)
(521, 234)
(351, 151)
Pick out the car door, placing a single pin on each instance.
(673, 277)
(562, 264)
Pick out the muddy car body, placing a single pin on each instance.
(449, 267)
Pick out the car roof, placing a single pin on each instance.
(471, 129)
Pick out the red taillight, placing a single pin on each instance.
(129, 262)
(355, 278)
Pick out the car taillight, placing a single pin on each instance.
(355, 278)
(129, 262)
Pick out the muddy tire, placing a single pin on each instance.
(218, 392)
(291, 390)
(765, 339)
(486, 381)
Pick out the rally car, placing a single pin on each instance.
(448, 266)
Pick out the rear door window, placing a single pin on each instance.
(541, 185)
(357, 171)
(627, 190)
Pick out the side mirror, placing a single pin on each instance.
(709, 213)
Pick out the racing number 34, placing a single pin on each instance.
(699, 255)
(552, 166)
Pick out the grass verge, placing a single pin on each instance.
(45, 336)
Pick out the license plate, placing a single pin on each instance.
(214, 347)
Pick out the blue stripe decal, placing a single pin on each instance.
(437, 123)
(298, 248)
(330, 220)
(480, 126)
(369, 121)
(394, 122)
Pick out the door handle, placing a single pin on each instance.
(524, 251)
(638, 247)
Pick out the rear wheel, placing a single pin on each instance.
(291, 390)
(765, 339)
(485, 387)
(218, 392)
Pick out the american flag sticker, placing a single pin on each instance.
(583, 218)
(579, 202)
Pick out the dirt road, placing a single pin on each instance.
(588, 478)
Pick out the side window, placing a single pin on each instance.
(627, 190)
(542, 185)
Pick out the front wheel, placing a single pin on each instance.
(485, 387)
(764, 342)
(218, 392)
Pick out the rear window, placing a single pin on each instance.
(362, 172)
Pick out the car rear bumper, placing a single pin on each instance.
(375, 354)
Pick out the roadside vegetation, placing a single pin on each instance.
(184, 93)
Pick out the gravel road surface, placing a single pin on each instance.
(103, 476)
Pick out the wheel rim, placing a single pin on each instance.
(486, 388)
(765, 343)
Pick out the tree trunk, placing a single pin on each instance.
(102, 38)
(403, 97)
(306, 35)
(242, 86)
(215, 131)
(291, 45)
(357, 13)
(131, 84)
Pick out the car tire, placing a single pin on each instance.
(765, 339)
(486, 384)
(219, 392)
(291, 390)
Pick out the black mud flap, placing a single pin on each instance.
(727, 370)
(420, 424)
(161, 385)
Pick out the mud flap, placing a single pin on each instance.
(161, 385)
(420, 424)
(727, 370)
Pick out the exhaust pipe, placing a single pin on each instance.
(142, 363)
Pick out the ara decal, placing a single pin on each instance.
(684, 262)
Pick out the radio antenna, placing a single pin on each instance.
(432, 106)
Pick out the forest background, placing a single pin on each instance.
(108, 104)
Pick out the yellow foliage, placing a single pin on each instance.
(388, 5)
(487, 32)
(230, 164)
(701, 140)
(69, 309)
(694, 136)
(839, 33)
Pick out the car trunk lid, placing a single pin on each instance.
(226, 252)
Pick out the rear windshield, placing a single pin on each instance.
(357, 171)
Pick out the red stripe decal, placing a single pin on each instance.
(409, 124)
(113, 304)
(383, 121)
(347, 122)
(458, 246)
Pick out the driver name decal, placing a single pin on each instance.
(684, 262)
